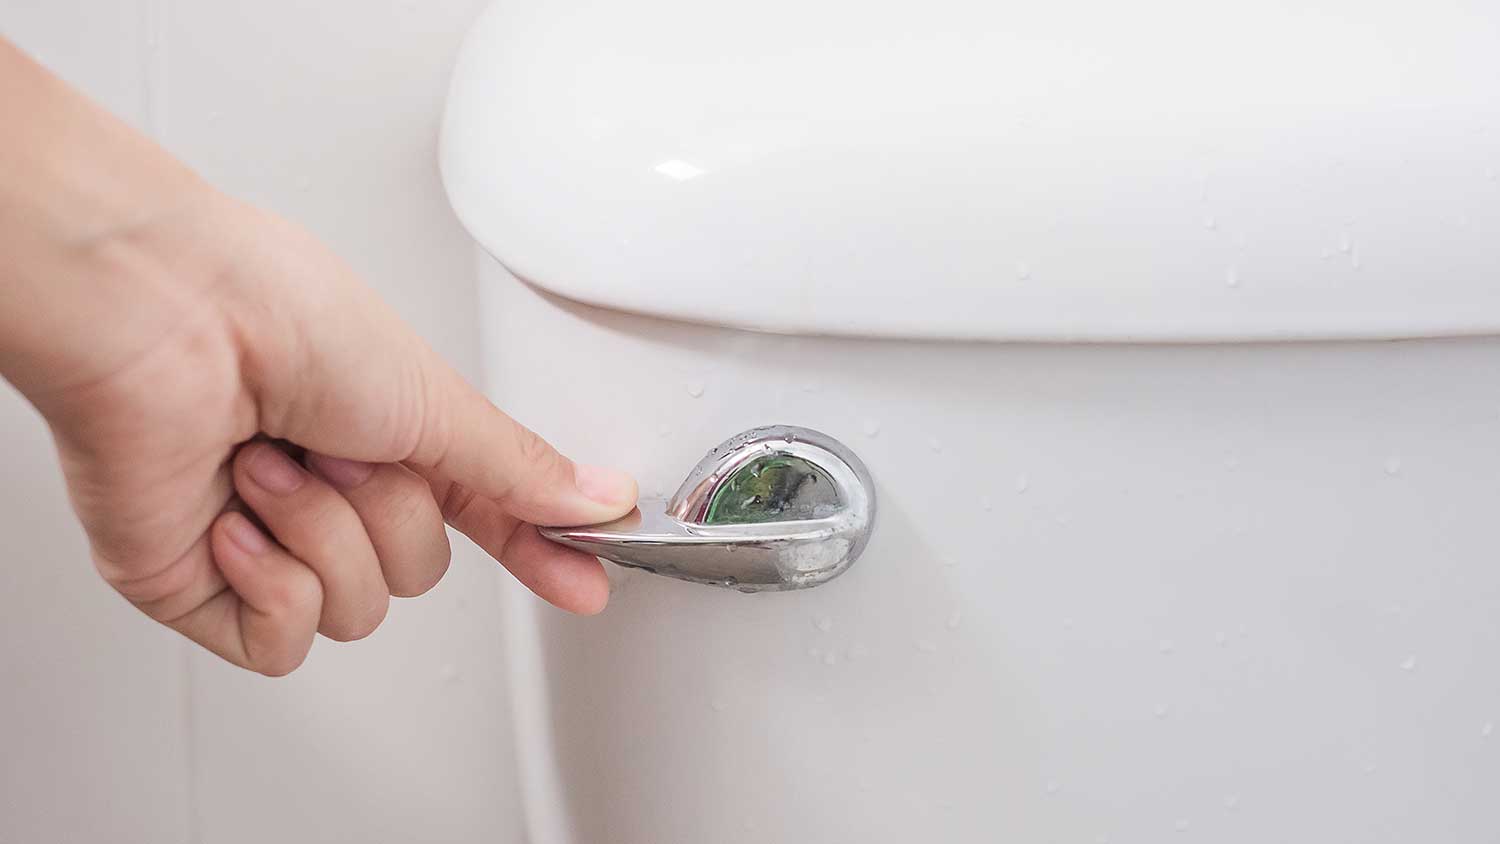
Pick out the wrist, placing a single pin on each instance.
(92, 220)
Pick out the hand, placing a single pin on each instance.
(258, 448)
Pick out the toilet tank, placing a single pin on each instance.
(1173, 539)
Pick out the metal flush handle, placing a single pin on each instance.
(773, 508)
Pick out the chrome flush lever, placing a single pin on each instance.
(773, 508)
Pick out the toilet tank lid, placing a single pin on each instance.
(970, 169)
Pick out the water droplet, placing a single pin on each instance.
(1354, 261)
(857, 652)
(1052, 787)
(718, 705)
(1023, 272)
(927, 646)
(823, 623)
(695, 389)
(1367, 768)
(664, 431)
(872, 428)
(1346, 245)
(304, 184)
(1160, 711)
(1067, 624)
(814, 652)
(1181, 825)
(1210, 224)
(1487, 729)
(1221, 638)
(1393, 465)
(955, 618)
(1232, 802)
(450, 674)
(1022, 484)
(1166, 646)
(811, 386)
(1231, 463)
(1232, 278)
(935, 444)
(1409, 664)
(830, 658)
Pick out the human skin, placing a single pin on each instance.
(258, 447)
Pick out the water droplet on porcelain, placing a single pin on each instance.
(830, 658)
(1210, 224)
(1409, 664)
(1052, 788)
(695, 389)
(986, 504)
(1393, 465)
(1346, 245)
(935, 444)
(450, 674)
(1023, 272)
(1181, 825)
(718, 705)
(872, 428)
(1487, 729)
(927, 646)
(857, 652)
(814, 652)
(1232, 278)
(1022, 484)
(1221, 638)
(1166, 646)
(1160, 711)
(823, 623)
(1232, 802)
(955, 619)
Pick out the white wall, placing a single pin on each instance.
(112, 728)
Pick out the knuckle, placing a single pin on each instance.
(416, 579)
(408, 505)
(359, 623)
(456, 501)
(536, 453)
(281, 664)
(296, 594)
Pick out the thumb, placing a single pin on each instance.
(335, 370)
(471, 442)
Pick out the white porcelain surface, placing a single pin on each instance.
(1129, 593)
(1080, 169)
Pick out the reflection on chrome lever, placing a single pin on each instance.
(771, 509)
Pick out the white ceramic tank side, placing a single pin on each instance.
(1116, 592)
(1157, 170)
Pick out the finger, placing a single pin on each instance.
(339, 373)
(502, 460)
(564, 577)
(319, 527)
(266, 620)
(400, 516)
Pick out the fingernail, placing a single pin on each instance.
(274, 471)
(606, 486)
(344, 474)
(245, 534)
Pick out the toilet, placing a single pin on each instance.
(1167, 334)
